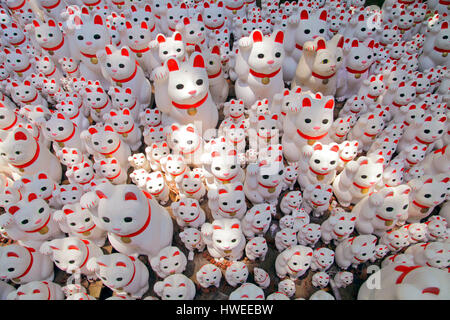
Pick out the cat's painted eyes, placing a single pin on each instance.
(165, 52)
(109, 65)
(260, 56)
(278, 54)
(307, 120)
(199, 82)
(178, 50)
(121, 66)
(325, 61)
(321, 30)
(97, 36)
(307, 31)
(180, 86)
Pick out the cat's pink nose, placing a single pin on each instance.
(364, 61)
(38, 221)
(192, 92)
(89, 43)
(45, 39)
(316, 128)
(114, 70)
(315, 37)
(271, 62)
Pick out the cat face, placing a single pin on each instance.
(30, 213)
(123, 215)
(237, 272)
(287, 237)
(194, 30)
(294, 199)
(39, 184)
(155, 182)
(115, 270)
(121, 121)
(191, 182)
(311, 232)
(24, 92)
(258, 245)
(259, 216)
(406, 20)
(290, 173)
(271, 174)
(225, 166)
(190, 236)
(300, 260)
(431, 129)
(18, 147)
(287, 222)
(316, 115)
(175, 14)
(139, 177)
(58, 127)
(184, 139)
(311, 26)
(324, 257)
(138, 160)
(209, 274)
(92, 35)
(432, 192)
(139, 14)
(441, 40)
(360, 56)
(227, 234)
(187, 209)
(324, 157)
(83, 172)
(70, 156)
(154, 134)
(109, 168)
(79, 220)
(267, 126)
(138, 36)
(68, 109)
(369, 172)
(119, 64)
(188, 82)
(158, 150)
(392, 176)
(12, 34)
(104, 141)
(151, 117)
(67, 253)
(394, 207)
(175, 165)
(170, 260)
(95, 97)
(70, 194)
(374, 124)
(259, 274)
(14, 261)
(213, 14)
(320, 195)
(231, 199)
(267, 53)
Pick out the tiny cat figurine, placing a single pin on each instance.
(123, 123)
(78, 222)
(293, 262)
(123, 70)
(50, 39)
(319, 64)
(27, 156)
(122, 98)
(259, 67)
(358, 179)
(357, 62)
(306, 123)
(209, 274)
(164, 48)
(121, 273)
(182, 93)
(228, 201)
(188, 213)
(157, 186)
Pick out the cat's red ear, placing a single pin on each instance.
(321, 45)
(172, 65)
(279, 38)
(257, 36)
(199, 62)
(125, 52)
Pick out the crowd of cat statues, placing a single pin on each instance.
(173, 130)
